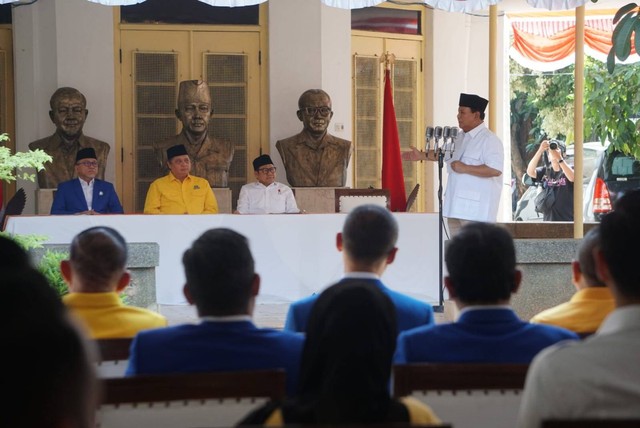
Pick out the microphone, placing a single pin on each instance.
(428, 135)
(454, 136)
(454, 132)
(438, 133)
(446, 133)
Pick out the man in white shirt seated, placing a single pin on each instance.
(266, 196)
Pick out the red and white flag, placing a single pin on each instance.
(392, 175)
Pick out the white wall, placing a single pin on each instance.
(309, 48)
(63, 43)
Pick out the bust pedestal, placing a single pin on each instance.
(316, 200)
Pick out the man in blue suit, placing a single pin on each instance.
(223, 285)
(367, 242)
(481, 261)
(86, 194)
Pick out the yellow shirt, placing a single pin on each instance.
(106, 317)
(583, 313)
(419, 414)
(168, 195)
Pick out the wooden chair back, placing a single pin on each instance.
(465, 395)
(114, 356)
(348, 199)
(186, 400)
(591, 423)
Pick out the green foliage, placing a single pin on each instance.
(627, 22)
(50, 267)
(612, 105)
(11, 164)
(544, 99)
(26, 241)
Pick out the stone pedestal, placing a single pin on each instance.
(143, 259)
(223, 196)
(546, 274)
(317, 200)
(44, 200)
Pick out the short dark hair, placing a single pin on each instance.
(97, 254)
(311, 92)
(220, 270)
(369, 233)
(66, 92)
(12, 255)
(481, 260)
(585, 258)
(51, 379)
(619, 238)
(482, 113)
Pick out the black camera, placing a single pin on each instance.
(553, 145)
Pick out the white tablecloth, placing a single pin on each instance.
(295, 254)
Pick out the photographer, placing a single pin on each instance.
(556, 175)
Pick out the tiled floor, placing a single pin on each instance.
(265, 315)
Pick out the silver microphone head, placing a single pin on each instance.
(438, 132)
(454, 132)
(428, 135)
(446, 132)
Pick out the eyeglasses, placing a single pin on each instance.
(311, 111)
(271, 170)
(89, 164)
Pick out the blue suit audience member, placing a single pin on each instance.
(223, 285)
(86, 194)
(50, 380)
(599, 377)
(367, 243)
(346, 365)
(481, 261)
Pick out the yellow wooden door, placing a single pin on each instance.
(153, 64)
(7, 108)
(368, 85)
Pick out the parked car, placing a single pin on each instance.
(525, 209)
(616, 173)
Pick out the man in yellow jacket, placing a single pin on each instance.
(179, 192)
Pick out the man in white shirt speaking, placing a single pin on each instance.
(266, 196)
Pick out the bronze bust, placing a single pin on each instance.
(69, 113)
(210, 157)
(314, 158)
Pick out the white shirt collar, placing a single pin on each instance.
(229, 318)
(361, 275)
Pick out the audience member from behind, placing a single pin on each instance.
(367, 242)
(266, 196)
(346, 365)
(222, 283)
(481, 261)
(49, 381)
(179, 192)
(86, 194)
(12, 256)
(591, 303)
(598, 377)
(96, 273)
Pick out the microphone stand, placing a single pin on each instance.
(440, 156)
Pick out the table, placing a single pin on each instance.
(295, 255)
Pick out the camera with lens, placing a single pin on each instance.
(553, 145)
